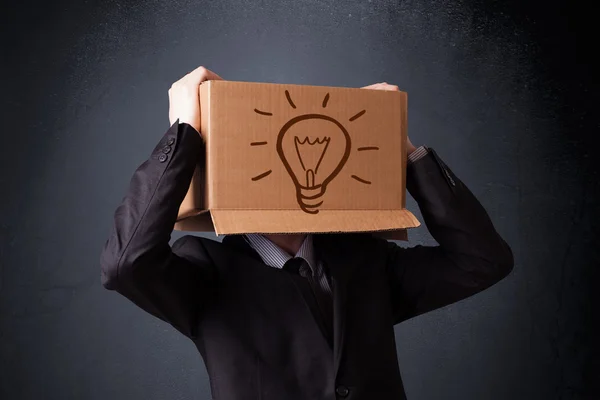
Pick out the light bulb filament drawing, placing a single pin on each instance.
(318, 145)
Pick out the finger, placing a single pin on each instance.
(375, 86)
(383, 86)
(197, 75)
(202, 74)
(211, 76)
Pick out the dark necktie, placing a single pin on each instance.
(299, 266)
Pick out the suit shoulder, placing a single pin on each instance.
(360, 239)
(355, 243)
(193, 248)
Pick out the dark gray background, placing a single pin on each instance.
(505, 93)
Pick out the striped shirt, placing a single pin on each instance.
(275, 257)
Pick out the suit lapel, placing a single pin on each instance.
(336, 252)
(301, 285)
(340, 254)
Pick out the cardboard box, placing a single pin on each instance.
(291, 158)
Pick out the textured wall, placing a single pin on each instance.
(505, 94)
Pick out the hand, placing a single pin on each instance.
(384, 86)
(184, 97)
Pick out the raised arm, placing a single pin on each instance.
(137, 260)
(470, 257)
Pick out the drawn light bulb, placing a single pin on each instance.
(313, 149)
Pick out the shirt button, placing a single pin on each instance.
(342, 391)
(166, 149)
(162, 158)
(170, 142)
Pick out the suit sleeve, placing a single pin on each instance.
(471, 255)
(137, 260)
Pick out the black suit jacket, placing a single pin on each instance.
(250, 323)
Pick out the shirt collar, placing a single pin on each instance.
(274, 256)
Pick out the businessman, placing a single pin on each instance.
(293, 317)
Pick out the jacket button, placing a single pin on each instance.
(170, 141)
(342, 391)
(162, 158)
(166, 149)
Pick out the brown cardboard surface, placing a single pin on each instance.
(203, 222)
(286, 221)
(290, 158)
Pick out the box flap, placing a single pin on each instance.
(292, 221)
(238, 221)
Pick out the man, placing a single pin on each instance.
(286, 317)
